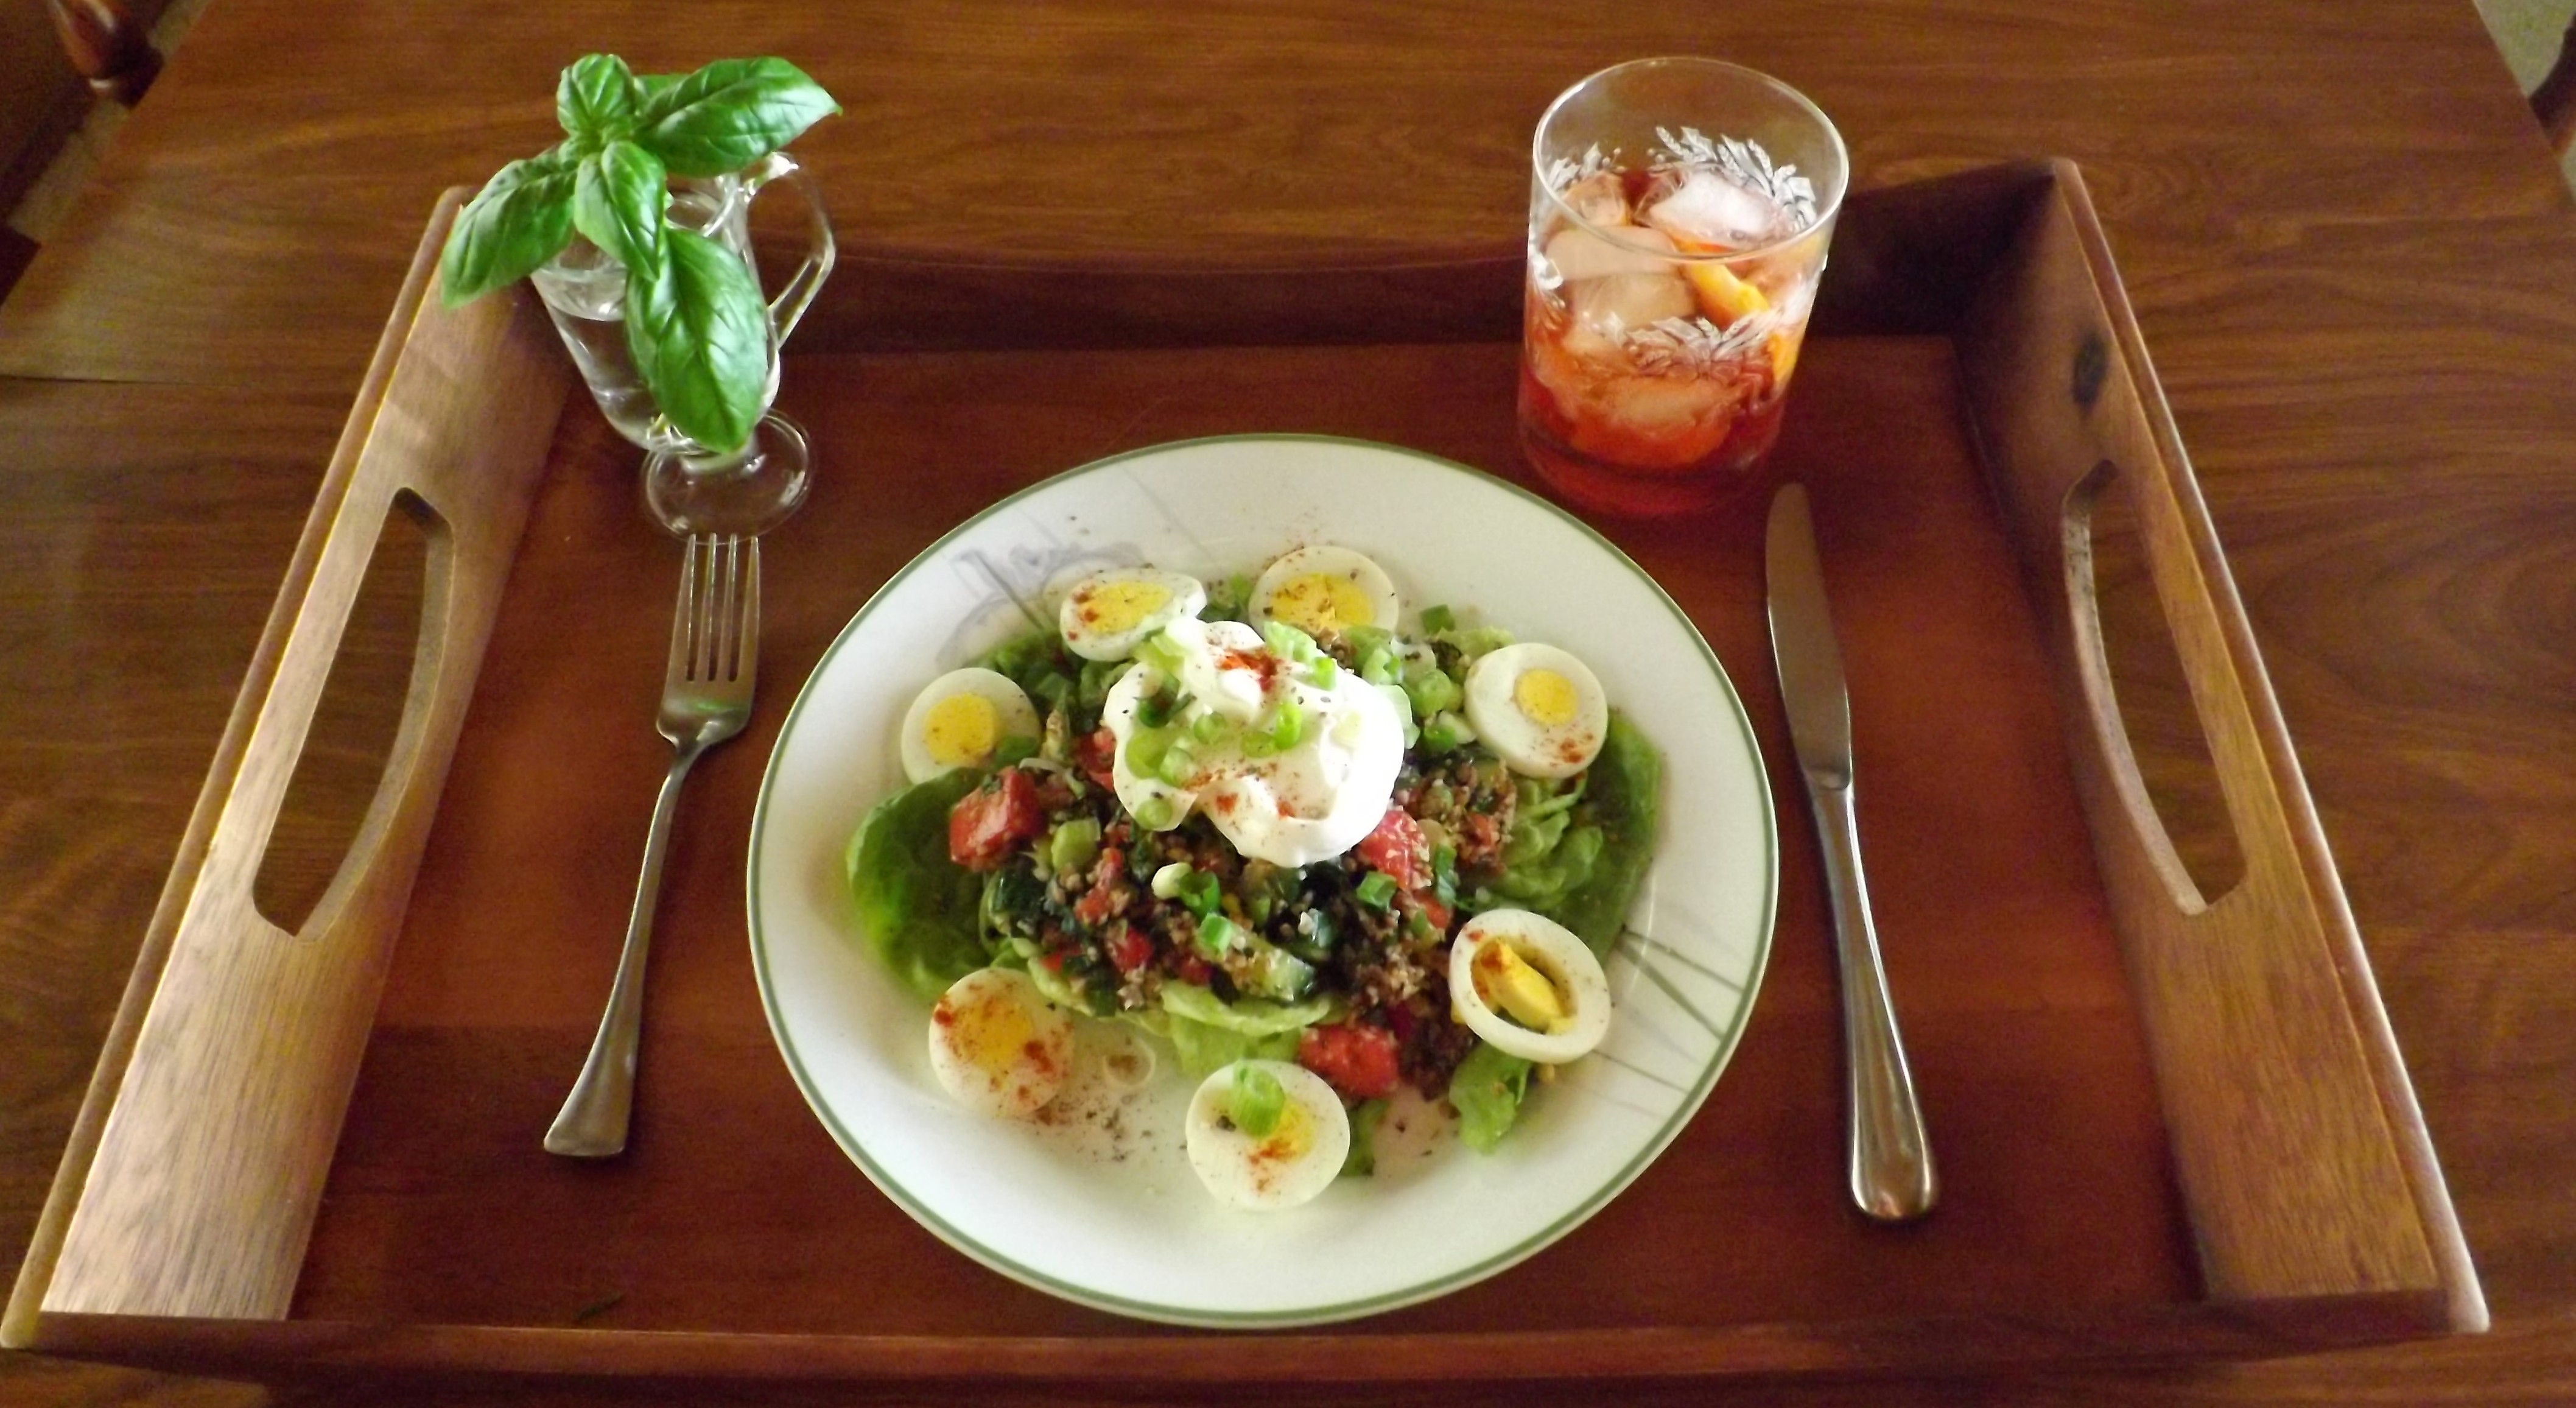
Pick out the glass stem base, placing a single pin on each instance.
(744, 496)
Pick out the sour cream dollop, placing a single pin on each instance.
(1304, 803)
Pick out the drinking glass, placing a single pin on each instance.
(688, 488)
(1680, 210)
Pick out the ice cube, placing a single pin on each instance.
(1710, 212)
(1579, 254)
(1615, 303)
(1599, 198)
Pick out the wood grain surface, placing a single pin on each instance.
(2346, 246)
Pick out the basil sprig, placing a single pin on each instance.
(695, 323)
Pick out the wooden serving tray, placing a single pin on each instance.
(2170, 1123)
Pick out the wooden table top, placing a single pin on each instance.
(2348, 248)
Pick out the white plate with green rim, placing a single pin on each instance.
(1105, 1211)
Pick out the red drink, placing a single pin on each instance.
(1666, 301)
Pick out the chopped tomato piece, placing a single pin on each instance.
(1095, 906)
(1397, 848)
(1093, 752)
(989, 822)
(1129, 951)
(1433, 909)
(1355, 1059)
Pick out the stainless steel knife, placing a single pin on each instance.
(1891, 1164)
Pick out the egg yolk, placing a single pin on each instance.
(961, 730)
(1321, 604)
(1288, 1142)
(1513, 986)
(990, 1031)
(1546, 697)
(1111, 607)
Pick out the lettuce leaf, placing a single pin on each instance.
(1204, 1048)
(918, 910)
(1208, 1032)
(1621, 803)
(1250, 1016)
(1487, 1090)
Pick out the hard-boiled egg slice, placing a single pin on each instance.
(961, 719)
(997, 1046)
(1324, 591)
(1526, 984)
(1297, 1159)
(1107, 613)
(1540, 709)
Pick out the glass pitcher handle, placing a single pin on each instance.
(789, 306)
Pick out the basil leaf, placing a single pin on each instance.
(596, 98)
(730, 114)
(520, 219)
(619, 201)
(700, 336)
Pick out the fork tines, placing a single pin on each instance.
(717, 620)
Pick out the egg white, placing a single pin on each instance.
(1239, 1170)
(1016, 717)
(1556, 953)
(1525, 745)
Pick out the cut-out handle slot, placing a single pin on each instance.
(2159, 752)
(357, 749)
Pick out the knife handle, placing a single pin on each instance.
(1891, 1164)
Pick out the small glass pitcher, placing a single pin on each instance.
(688, 488)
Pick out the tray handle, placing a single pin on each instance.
(197, 1163)
(2257, 1001)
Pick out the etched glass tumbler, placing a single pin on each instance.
(1679, 215)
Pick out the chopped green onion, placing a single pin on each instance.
(1447, 733)
(1316, 934)
(1257, 1102)
(1168, 880)
(1208, 727)
(1287, 642)
(1287, 725)
(1145, 750)
(1074, 843)
(1158, 652)
(1198, 893)
(1216, 935)
(1157, 814)
(1324, 673)
(1178, 765)
(1376, 890)
(1436, 619)
(1480, 642)
(1403, 703)
(1431, 688)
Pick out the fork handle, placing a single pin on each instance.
(592, 1123)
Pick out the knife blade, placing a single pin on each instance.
(1889, 1159)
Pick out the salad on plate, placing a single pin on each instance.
(1329, 854)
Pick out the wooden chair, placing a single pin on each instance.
(107, 45)
(2555, 99)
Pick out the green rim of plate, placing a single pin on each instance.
(1159, 1311)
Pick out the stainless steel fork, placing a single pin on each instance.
(706, 698)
